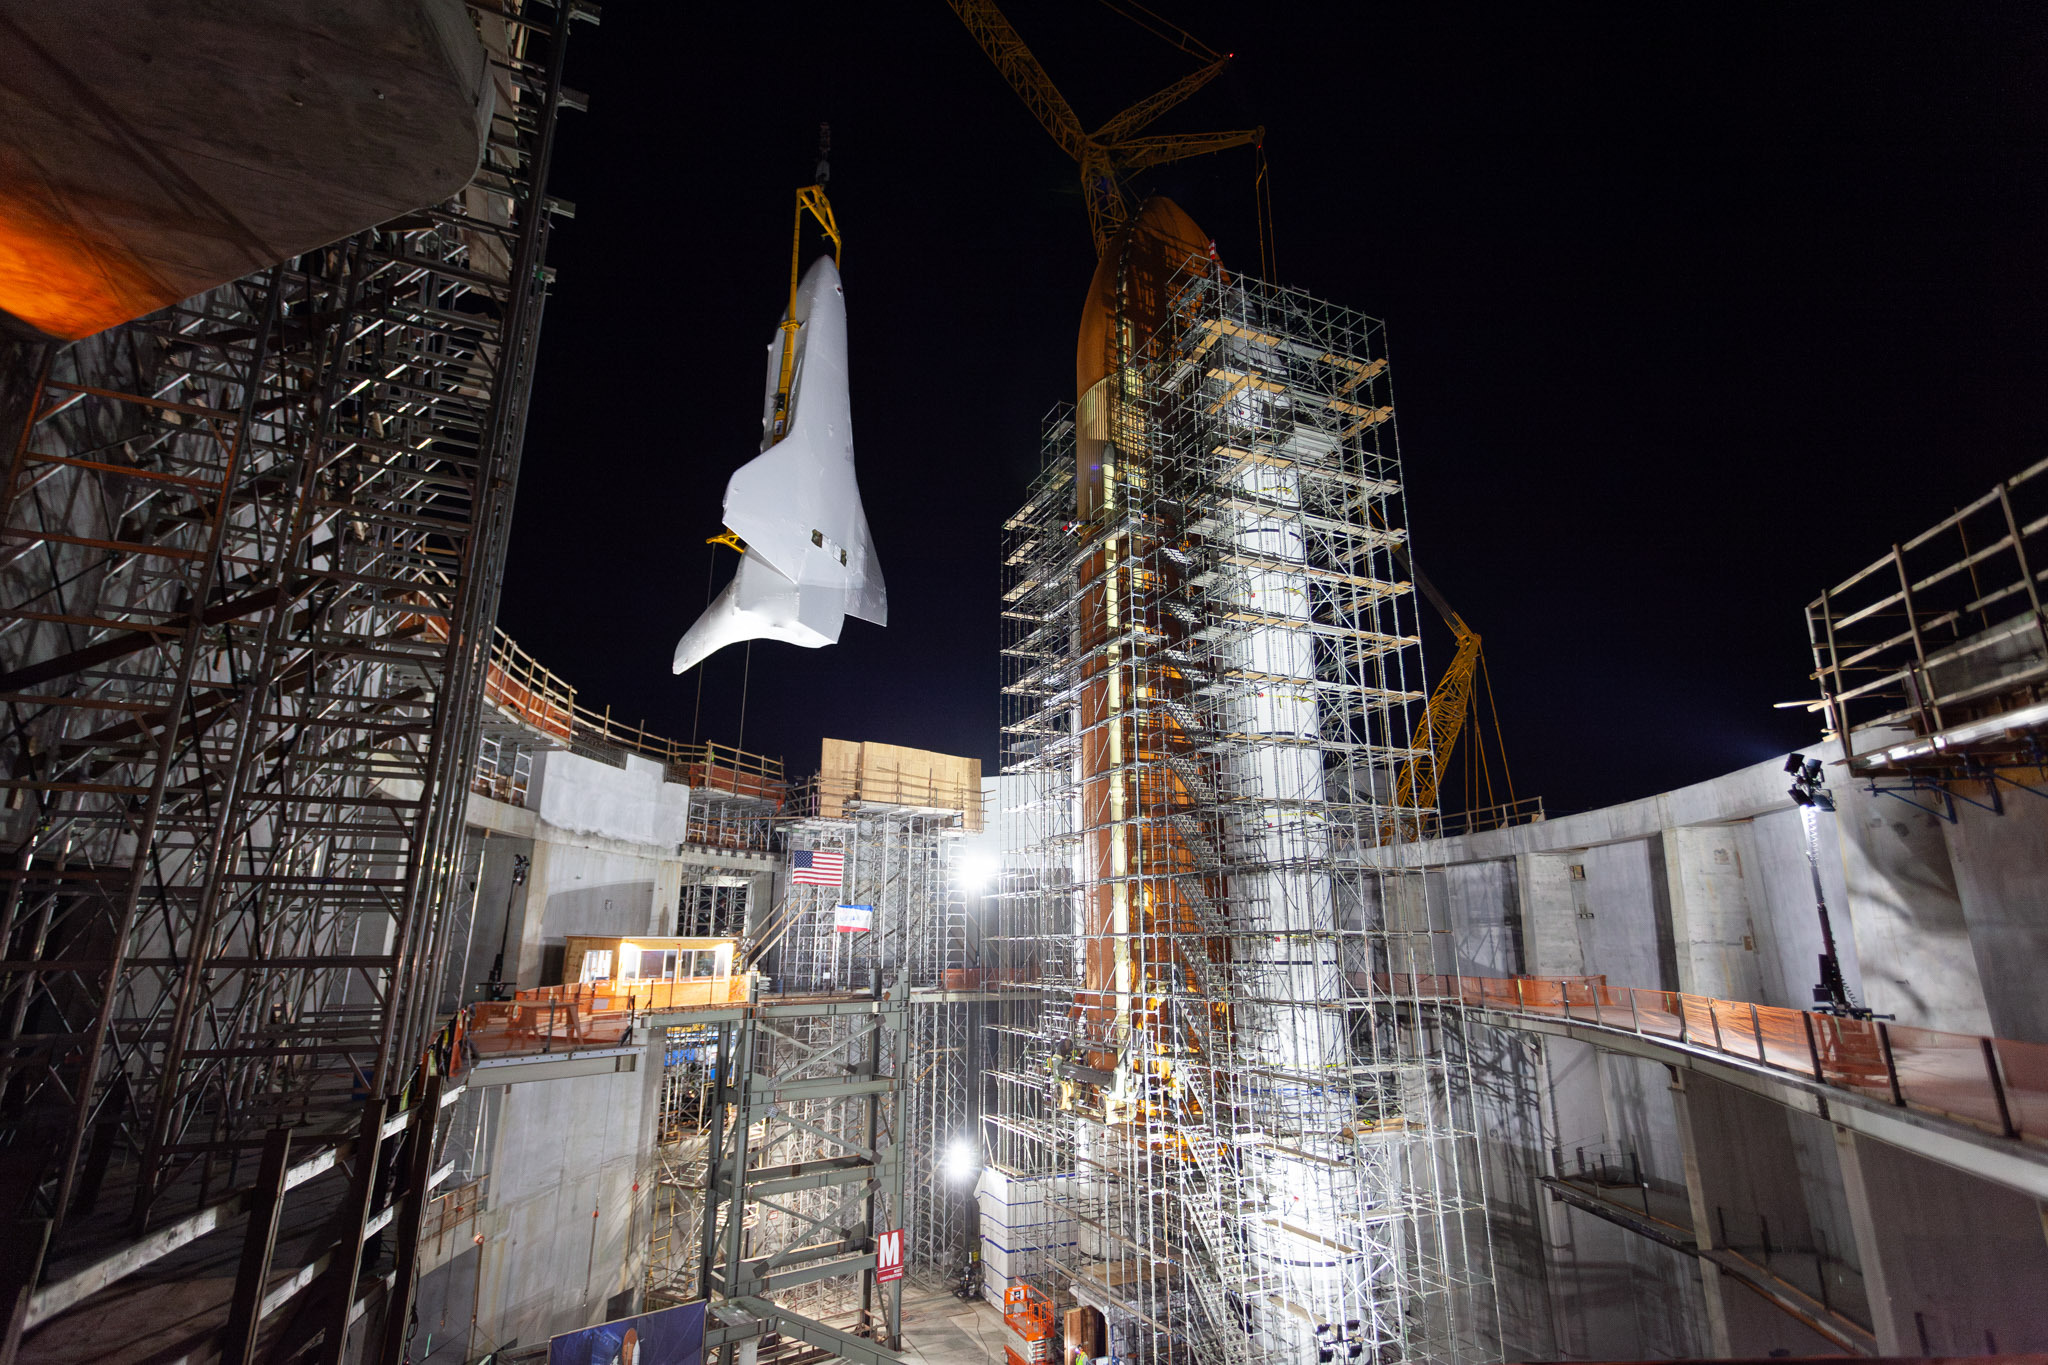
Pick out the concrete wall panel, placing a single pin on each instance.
(1912, 939)
(1965, 1262)
(2001, 868)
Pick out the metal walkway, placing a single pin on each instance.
(1977, 1104)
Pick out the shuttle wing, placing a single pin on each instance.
(810, 561)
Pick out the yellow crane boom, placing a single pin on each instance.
(1450, 701)
(1417, 782)
(1113, 150)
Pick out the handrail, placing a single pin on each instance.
(524, 688)
(1917, 630)
(1451, 824)
(822, 795)
(1998, 1085)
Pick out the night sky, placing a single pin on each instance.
(1693, 310)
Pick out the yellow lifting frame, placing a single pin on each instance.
(810, 199)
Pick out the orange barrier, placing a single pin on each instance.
(516, 684)
(602, 997)
(1992, 1083)
(593, 1014)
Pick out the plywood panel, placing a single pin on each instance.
(894, 775)
(838, 777)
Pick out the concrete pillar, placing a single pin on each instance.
(667, 898)
(529, 911)
(1702, 1217)
(1550, 927)
(760, 901)
(1673, 860)
(1869, 1253)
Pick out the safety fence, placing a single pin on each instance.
(524, 689)
(720, 767)
(836, 796)
(550, 1019)
(1995, 1084)
(1452, 824)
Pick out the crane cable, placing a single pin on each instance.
(1161, 27)
(1498, 742)
(1262, 197)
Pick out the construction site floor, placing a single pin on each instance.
(939, 1328)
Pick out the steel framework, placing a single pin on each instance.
(1252, 1147)
(805, 1140)
(250, 548)
(1933, 661)
(902, 861)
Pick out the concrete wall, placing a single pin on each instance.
(1956, 1265)
(567, 1163)
(606, 850)
(569, 1217)
(1943, 923)
(2000, 862)
(1707, 889)
(566, 1222)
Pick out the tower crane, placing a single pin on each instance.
(1116, 149)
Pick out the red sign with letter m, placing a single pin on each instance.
(889, 1257)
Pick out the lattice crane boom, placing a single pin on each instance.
(1021, 69)
(1450, 701)
(1152, 108)
(1113, 150)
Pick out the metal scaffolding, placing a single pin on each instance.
(902, 862)
(1252, 1145)
(805, 1142)
(250, 547)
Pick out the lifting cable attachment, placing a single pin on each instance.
(810, 199)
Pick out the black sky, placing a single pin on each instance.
(1693, 310)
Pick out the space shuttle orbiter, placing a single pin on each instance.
(809, 563)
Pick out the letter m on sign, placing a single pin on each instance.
(889, 1257)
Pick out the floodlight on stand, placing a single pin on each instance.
(1809, 793)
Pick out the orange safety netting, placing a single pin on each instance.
(1992, 1083)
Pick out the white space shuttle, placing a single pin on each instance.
(809, 563)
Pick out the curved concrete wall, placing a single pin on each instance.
(152, 152)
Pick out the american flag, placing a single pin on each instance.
(815, 867)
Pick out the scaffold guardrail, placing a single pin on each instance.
(1998, 1085)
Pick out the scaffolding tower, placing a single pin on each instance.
(1246, 1144)
(903, 867)
(250, 548)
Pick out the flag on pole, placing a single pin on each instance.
(815, 867)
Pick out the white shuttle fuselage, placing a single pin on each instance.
(809, 562)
